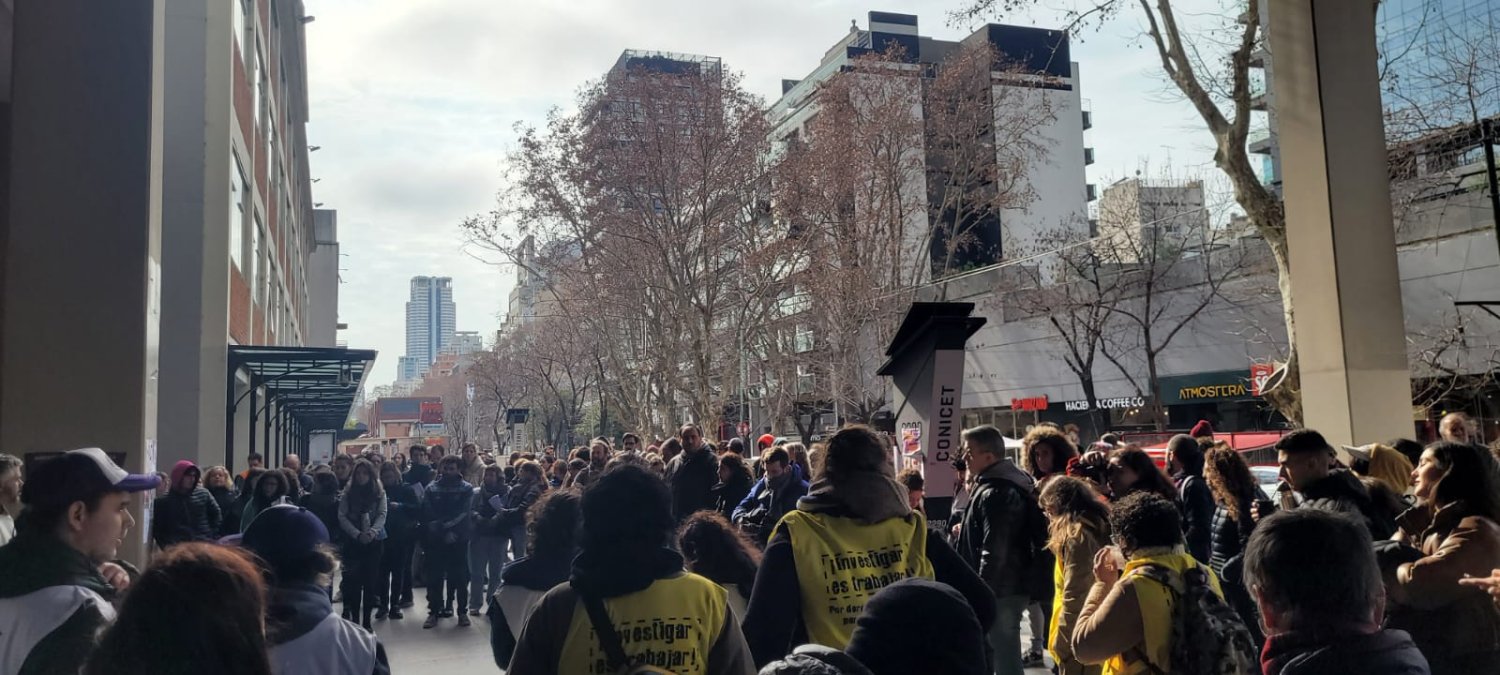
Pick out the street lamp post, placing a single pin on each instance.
(469, 413)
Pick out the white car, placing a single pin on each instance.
(1267, 477)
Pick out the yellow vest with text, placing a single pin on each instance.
(672, 624)
(1156, 603)
(842, 562)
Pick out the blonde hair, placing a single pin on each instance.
(1389, 466)
(213, 471)
(1071, 504)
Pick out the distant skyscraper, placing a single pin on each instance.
(430, 321)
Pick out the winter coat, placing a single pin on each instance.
(1004, 531)
(1341, 492)
(355, 521)
(517, 502)
(1197, 514)
(419, 474)
(295, 611)
(231, 506)
(522, 585)
(403, 512)
(692, 476)
(1073, 578)
(178, 518)
(487, 521)
(1456, 627)
(326, 508)
(53, 591)
(474, 473)
(1386, 652)
(766, 503)
(1228, 547)
(446, 511)
(727, 496)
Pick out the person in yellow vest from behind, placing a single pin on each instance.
(1126, 622)
(628, 605)
(852, 535)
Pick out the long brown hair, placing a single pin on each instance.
(1229, 478)
(1148, 476)
(367, 497)
(1071, 504)
(197, 609)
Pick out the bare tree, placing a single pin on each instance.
(1209, 66)
(649, 189)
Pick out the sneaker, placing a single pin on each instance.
(463, 621)
(474, 612)
(396, 615)
(1032, 659)
(380, 614)
(431, 621)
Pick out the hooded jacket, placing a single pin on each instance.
(728, 495)
(53, 602)
(773, 621)
(1341, 492)
(295, 612)
(773, 499)
(1386, 652)
(1003, 529)
(185, 516)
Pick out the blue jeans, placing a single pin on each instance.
(1005, 635)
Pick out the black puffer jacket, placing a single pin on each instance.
(1341, 492)
(1386, 652)
(1004, 530)
(1197, 514)
(179, 518)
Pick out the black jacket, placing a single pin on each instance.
(692, 476)
(403, 512)
(228, 501)
(1197, 514)
(419, 474)
(1004, 531)
(178, 518)
(326, 508)
(1341, 492)
(1386, 652)
(487, 521)
(727, 496)
(517, 502)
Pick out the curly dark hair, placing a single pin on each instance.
(1050, 436)
(1145, 520)
(626, 509)
(713, 548)
(1149, 476)
(552, 524)
(1229, 478)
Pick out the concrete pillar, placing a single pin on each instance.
(1345, 283)
(195, 229)
(82, 265)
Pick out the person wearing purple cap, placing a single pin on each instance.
(56, 584)
(306, 635)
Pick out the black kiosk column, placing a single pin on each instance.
(926, 364)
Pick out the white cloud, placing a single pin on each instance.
(414, 104)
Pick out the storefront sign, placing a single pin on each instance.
(1260, 373)
(1229, 385)
(1106, 404)
(1029, 404)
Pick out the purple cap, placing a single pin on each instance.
(80, 475)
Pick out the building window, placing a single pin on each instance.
(238, 10)
(804, 339)
(258, 82)
(262, 258)
(237, 192)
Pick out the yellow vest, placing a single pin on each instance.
(671, 625)
(1156, 610)
(841, 562)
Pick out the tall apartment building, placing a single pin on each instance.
(239, 248)
(465, 342)
(1061, 192)
(1137, 217)
(430, 324)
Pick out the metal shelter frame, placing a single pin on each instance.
(310, 388)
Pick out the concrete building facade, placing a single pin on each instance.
(1139, 218)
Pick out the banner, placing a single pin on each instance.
(432, 412)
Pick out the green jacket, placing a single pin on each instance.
(53, 603)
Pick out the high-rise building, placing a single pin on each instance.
(465, 342)
(430, 323)
(1058, 182)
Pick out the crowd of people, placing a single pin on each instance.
(685, 556)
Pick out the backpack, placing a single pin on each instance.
(1208, 637)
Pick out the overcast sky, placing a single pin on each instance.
(413, 104)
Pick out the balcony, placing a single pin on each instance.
(1088, 156)
(1259, 56)
(1088, 114)
(1261, 141)
(1258, 95)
